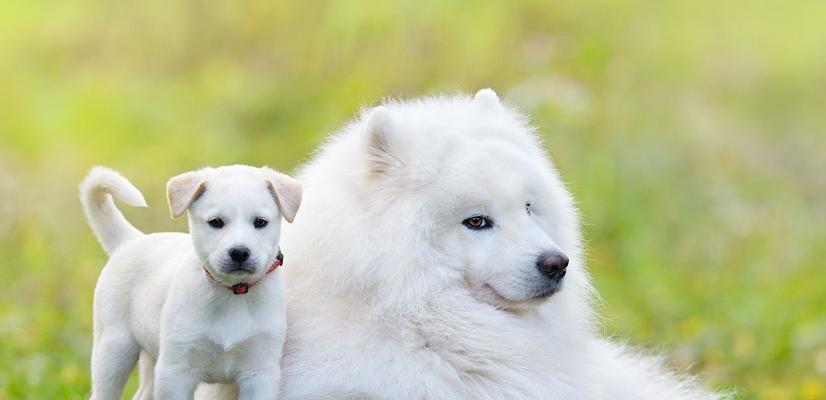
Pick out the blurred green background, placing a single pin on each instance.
(693, 134)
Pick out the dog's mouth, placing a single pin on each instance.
(547, 291)
(237, 269)
(503, 302)
(495, 294)
(226, 276)
(488, 290)
(240, 272)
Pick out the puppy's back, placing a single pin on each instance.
(134, 284)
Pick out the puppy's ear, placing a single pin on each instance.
(381, 141)
(487, 99)
(286, 191)
(184, 189)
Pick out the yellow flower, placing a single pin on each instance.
(775, 393)
(812, 390)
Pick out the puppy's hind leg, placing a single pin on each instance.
(146, 368)
(113, 357)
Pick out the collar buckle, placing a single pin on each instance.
(240, 288)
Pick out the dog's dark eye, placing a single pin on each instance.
(477, 222)
(260, 223)
(216, 223)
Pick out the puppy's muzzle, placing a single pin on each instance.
(239, 256)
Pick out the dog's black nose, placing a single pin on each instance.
(552, 264)
(239, 254)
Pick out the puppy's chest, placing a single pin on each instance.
(231, 343)
(218, 361)
(233, 328)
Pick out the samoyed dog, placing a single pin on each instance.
(437, 255)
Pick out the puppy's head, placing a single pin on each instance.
(235, 217)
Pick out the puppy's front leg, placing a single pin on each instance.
(262, 385)
(174, 382)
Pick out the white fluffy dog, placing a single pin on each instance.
(438, 256)
(185, 304)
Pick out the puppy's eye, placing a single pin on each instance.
(216, 223)
(478, 222)
(260, 223)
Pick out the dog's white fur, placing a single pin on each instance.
(154, 301)
(391, 297)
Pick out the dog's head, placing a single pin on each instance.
(235, 217)
(471, 182)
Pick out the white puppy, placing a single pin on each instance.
(204, 307)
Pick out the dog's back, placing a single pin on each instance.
(134, 284)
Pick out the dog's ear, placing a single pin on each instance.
(487, 99)
(184, 189)
(381, 141)
(286, 191)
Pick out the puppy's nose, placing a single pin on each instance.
(239, 254)
(552, 264)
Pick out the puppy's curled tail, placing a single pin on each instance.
(96, 192)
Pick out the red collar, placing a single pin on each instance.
(244, 287)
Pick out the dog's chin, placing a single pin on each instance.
(230, 275)
(488, 294)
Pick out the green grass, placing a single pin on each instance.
(691, 132)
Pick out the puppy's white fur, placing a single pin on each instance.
(391, 297)
(155, 302)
